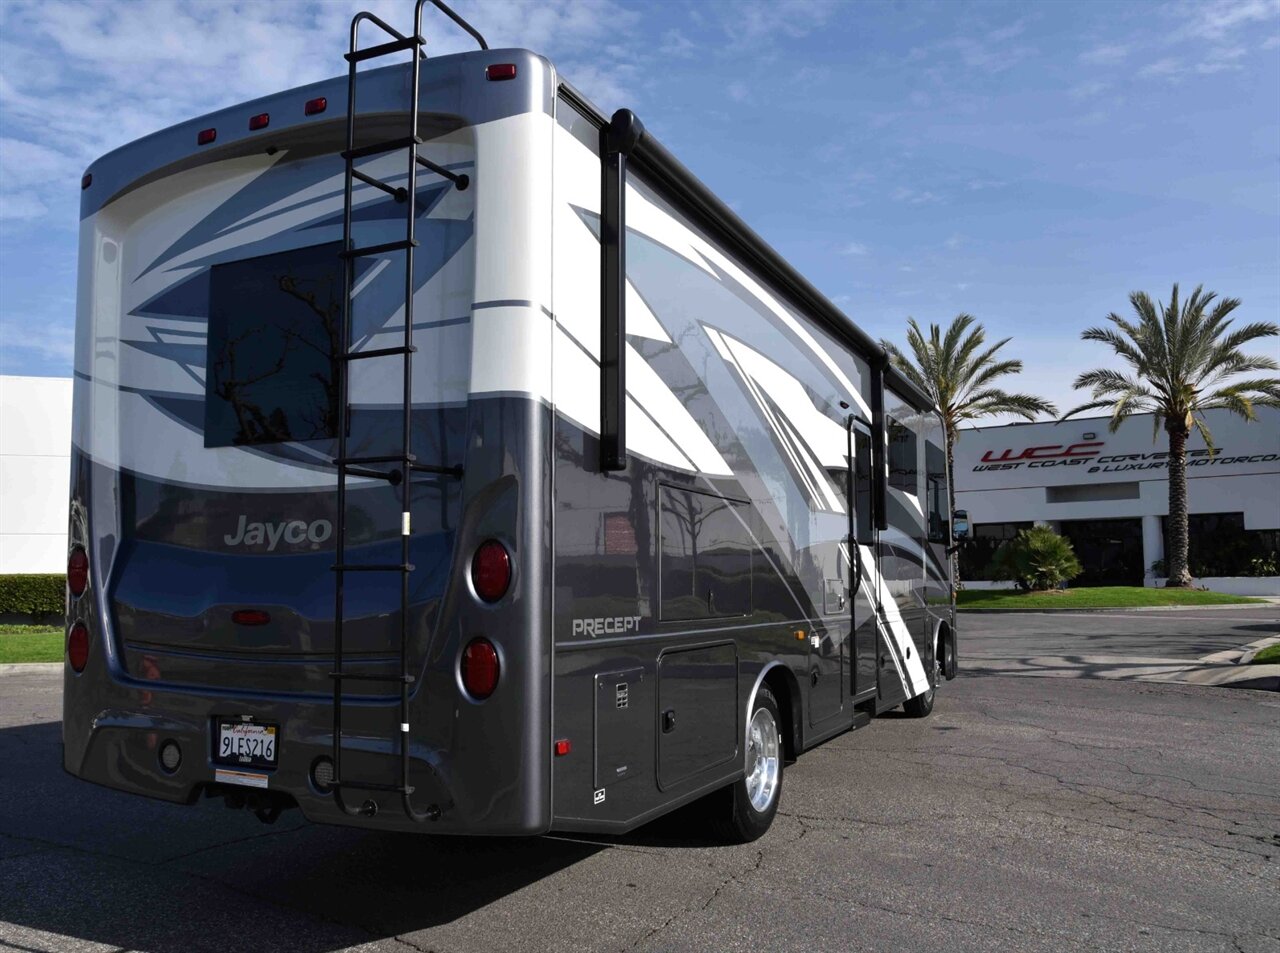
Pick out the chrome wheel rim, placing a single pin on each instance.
(764, 763)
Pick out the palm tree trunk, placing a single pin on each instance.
(1179, 573)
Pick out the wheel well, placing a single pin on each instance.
(947, 637)
(786, 691)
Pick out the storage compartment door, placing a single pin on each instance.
(697, 712)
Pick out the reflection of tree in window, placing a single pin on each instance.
(707, 556)
(903, 469)
(274, 328)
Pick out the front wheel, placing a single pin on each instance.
(744, 810)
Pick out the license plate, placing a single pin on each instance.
(245, 742)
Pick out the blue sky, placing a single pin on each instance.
(1028, 163)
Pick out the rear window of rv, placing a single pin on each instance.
(271, 372)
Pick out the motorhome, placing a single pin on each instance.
(447, 456)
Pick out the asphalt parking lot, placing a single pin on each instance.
(1025, 814)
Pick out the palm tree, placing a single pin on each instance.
(958, 370)
(1181, 361)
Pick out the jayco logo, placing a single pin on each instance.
(291, 531)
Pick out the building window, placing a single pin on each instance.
(1219, 545)
(271, 371)
(985, 539)
(903, 468)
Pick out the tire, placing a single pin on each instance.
(743, 811)
(922, 705)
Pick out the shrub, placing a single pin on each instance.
(1036, 559)
(36, 595)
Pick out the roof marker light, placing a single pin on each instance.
(250, 617)
(317, 105)
(259, 121)
(86, 180)
(206, 136)
(500, 71)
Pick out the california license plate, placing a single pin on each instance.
(237, 741)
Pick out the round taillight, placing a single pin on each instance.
(78, 646)
(480, 668)
(77, 572)
(491, 571)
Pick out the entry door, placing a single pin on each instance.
(865, 599)
(831, 629)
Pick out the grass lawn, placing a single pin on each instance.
(31, 643)
(1098, 597)
(1269, 655)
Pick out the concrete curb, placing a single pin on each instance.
(993, 611)
(30, 668)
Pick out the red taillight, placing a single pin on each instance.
(77, 572)
(78, 646)
(498, 71)
(317, 105)
(260, 121)
(491, 571)
(480, 668)
(206, 136)
(250, 617)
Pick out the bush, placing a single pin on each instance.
(1036, 559)
(33, 594)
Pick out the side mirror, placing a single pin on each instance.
(960, 524)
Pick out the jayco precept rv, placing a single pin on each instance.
(446, 456)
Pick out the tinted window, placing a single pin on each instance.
(864, 519)
(903, 469)
(935, 464)
(707, 555)
(270, 372)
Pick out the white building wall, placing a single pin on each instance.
(35, 473)
(1005, 474)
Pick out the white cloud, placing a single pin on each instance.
(1106, 55)
(676, 44)
(762, 22)
(855, 249)
(913, 196)
(1215, 21)
(738, 91)
(51, 342)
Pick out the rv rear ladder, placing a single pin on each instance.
(367, 466)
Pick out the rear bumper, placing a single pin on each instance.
(114, 728)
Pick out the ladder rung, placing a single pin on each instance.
(373, 786)
(400, 193)
(379, 249)
(394, 477)
(406, 679)
(435, 468)
(380, 352)
(389, 145)
(460, 179)
(382, 49)
(396, 458)
(372, 567)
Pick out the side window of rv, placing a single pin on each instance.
(903, 469)
(935, 465)
(271, 364)
(707, 555)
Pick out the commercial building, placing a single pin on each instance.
(35, 473)
(1109, 494)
